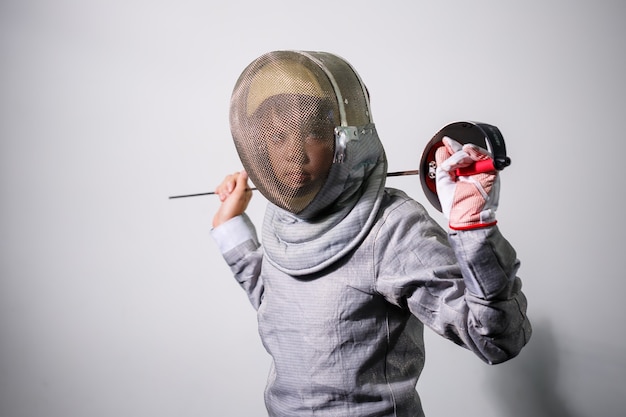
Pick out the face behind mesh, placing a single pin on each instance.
(283, 114)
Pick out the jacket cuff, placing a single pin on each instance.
(233, 233)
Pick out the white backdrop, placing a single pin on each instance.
(114, 301)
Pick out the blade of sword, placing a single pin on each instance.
(389, 174)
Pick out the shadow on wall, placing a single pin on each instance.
(529, 384)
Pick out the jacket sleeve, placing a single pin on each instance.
(238, 242)
(463, 285)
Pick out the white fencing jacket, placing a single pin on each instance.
(342, 298)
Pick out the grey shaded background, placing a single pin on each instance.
(114, 300)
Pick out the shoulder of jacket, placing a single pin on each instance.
(402, 218)
(397, 204)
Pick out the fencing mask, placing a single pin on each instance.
(286, 114)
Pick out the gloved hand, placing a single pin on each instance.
(467, 201)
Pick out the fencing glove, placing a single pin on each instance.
(468, 200)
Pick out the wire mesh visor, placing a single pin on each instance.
(284, 110)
